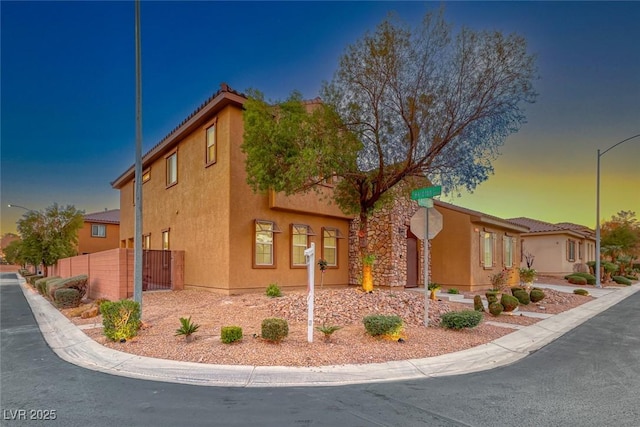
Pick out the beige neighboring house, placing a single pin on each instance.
(559, 248)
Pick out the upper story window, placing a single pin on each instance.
(211, 154)
(172, 168)
(146, 175)
(146, 241)
(98, 230)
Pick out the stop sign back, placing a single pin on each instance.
(418, 223)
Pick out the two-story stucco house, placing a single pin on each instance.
(100, 232)
(195, 199)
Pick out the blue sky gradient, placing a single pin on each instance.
(68, 91)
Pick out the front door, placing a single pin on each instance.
(412, 260)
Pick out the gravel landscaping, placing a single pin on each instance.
(341, 307)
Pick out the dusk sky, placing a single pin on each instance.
(68, 91)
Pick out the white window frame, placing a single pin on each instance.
(172, 169)
(95, 230)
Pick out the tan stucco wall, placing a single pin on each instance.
(550, 252)
(451, 250)
(211, 212)
(88, 244)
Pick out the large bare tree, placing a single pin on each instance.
(405, 103)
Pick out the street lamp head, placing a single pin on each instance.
(18, 206)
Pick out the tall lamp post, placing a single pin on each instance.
(598, 278)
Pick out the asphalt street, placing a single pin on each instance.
(588, 377)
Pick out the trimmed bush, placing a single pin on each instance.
(461, 319)
(32, 279)
(229, 334)
(516, 288)
(591, 279)
(273, 291)
(509, 302)
(536, 295)
(77, 282)
(577, 280)
(41, 284)
(453, 291)
(477, 303)
(492, 296)
(120, 319)
(67, 298)
(621, 280)
(496, 308)
(523, 297)
(274, 329)
(582, 292)
(377, 325)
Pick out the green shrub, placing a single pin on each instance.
(577, 280)
(41, 284)
(515, 289)
(120, 319)
(583, 292)
(229, 334)
(492, 296)
(523, 297)
(32, 279)
(461, 319)
(77, 282)
(67, 298)
(274, 329)
(621, 280)
(496, 308)
(591, 279)
(377, 325)
(273, 291)
(509, 302)
(536, 295)
(453, 291)
(477, 303)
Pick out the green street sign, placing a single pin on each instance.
(426, 192)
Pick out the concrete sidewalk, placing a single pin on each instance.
(72, 345)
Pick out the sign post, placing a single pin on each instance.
(423, 197)
(310, 255)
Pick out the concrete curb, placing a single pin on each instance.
(73, 346)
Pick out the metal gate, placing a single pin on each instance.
(156, 270)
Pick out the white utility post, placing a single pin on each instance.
(310, 255)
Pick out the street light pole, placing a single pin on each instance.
(597, 269)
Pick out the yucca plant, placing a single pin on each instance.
(187, 328)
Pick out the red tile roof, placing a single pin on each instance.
(104, 217)
(537, 226)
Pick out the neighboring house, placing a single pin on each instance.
(471, 247)
(195, 199)
(558, 249)
(100, 232)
